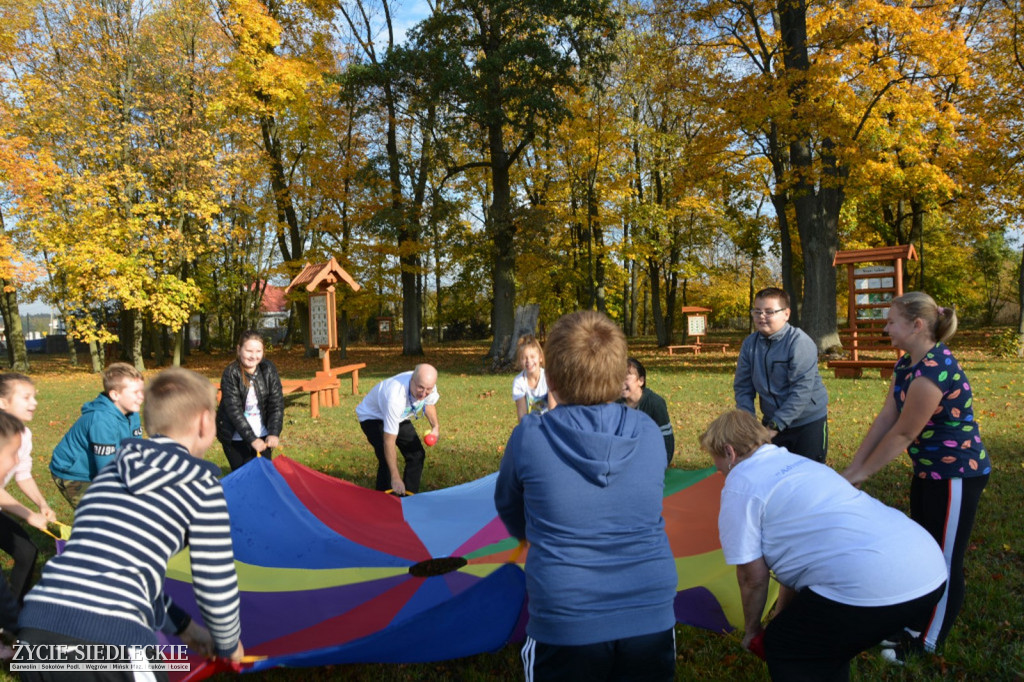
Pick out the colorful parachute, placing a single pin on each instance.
(332, 573)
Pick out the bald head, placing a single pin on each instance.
(424, 378)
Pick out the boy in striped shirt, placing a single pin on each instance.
(156, 498)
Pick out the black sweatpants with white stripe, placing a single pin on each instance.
(946, 509)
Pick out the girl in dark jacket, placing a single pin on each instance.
(251, 409)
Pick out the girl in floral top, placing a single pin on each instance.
(928, 413)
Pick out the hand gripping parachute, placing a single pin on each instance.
(331, 573)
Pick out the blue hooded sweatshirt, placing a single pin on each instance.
(584, 484)
(92, 441)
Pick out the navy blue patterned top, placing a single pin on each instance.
(950, 445)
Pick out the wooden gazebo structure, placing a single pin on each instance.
(319, 280)
(870, 291)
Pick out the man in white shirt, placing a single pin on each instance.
(385, 416)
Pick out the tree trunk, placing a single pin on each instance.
(95, 354)
(633, 266)
(157, 342)
(502, 233)
(343, 335)
(179, 342)
(643, 313)
(290, 238)
(659, 320)
(137, 333)
(780, 201)
(1020, 309)
(438, 320)
(597, 232)
(671, 286)
(629, 293)
(634, 295)
(17, 354)
(408, 240)
(300, 313)
(412, 343)
(204, 332)
(816, 208)
(750, 295)
(72, 351)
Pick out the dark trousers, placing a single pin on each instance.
(408, 444)
(15, 541)
(946, 509)
(9, 606)
(36, 637)
(239, 452)
(814, 638)
(809, 440)
(646, 658)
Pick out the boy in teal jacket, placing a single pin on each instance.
(93, 440)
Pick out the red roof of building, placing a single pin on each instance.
(273, 300)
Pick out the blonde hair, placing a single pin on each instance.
(737, 428)
(116, 375)
(586, 358)
(174, 398)
(526, 342)
(918, 305)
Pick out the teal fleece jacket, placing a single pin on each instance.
(92, 441)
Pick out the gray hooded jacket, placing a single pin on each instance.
(782, 370)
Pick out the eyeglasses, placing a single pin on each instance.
(767, 313)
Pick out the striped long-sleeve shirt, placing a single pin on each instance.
(107, 585)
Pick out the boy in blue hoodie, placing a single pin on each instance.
(91, 442)
(157, 497)
(583, 483)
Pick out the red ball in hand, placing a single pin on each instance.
(430, 439)
(757, 645)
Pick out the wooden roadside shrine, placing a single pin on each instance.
(696, 327)
(870, 290)
(319, 280)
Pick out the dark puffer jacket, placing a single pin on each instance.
(231, 412)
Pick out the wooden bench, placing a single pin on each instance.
(869, 337)
(870, 341)
(854, 369)
(698, 347)
(322, 390)
(332, 398)
(319, 390)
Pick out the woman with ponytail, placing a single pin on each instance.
(928, 413)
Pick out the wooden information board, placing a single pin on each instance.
(323, 327)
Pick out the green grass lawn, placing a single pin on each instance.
(477, 414)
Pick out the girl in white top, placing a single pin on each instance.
(18, 398)
(530, 388)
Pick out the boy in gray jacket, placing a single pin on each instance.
(779, 364)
